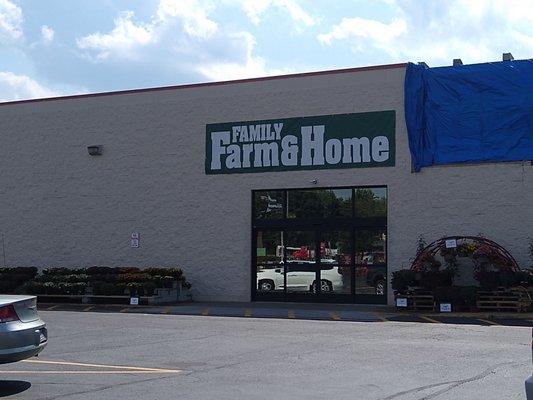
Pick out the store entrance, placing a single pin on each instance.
(337, 259)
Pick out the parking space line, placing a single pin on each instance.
(77, 364)
(103, 369)
(205, 312)
(488, 321)
(166, 310)
(430, 319)
(53, 307)
(247, 312)
(88, 308)
(291, 314)
(381, 317)
(124, 310)
(334, 316)
(25, 372)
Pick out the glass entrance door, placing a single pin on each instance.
(371, 265)
(320, 245)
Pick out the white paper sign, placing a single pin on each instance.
(134, 243)
(134, 301)
(401, 302)
(445, 307)
(451, 244)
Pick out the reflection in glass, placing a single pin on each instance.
(335, 260)
(269, 259)
(319, 203)
(370, 262)
(268, 204)
(300, 261)
(371, 202)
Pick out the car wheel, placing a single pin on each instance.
(266, 286)
(325, 286)
(380, 287)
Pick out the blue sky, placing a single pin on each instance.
(60, 47)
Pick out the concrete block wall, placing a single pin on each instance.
(60, 206)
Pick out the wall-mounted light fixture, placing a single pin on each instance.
(95, 150)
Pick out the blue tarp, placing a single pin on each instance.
(470, 113)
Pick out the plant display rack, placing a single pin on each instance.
(514, 299)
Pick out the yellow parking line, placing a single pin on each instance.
(91, 372)
(334, 316)
(205, 312)
(166, 310)
(53, 307)
(125, 310)
(88, 308)
(430, 319)
(77, 364)
(381, 317)
(291, 314)
(487, 321)
(248, 312)
(104, 369)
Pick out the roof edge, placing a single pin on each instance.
(207, 84)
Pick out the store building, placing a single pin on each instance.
(291, 188)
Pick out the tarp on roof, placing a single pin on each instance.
(470, 113)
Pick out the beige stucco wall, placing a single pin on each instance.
(59, 206)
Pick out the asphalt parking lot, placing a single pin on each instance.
(162, 356)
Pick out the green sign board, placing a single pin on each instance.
(288, 144)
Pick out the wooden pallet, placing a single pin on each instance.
(502, 300)
(422, 300)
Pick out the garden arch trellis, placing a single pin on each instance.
(480, 244)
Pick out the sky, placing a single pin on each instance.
(61, 47)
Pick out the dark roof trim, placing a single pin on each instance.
(220, 83)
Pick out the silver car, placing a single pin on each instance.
(529, 381)
(22, 333)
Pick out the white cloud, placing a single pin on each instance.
(128, 36)
(47, 34)
(375, 31)
(17, 87)
(125, 37)
(192, 13)
(437, 32)
(254, 9)
(10, 21)
(245, 66)
(180, 36)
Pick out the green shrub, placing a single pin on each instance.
(402, 279)
(101, 280)
(149, 288)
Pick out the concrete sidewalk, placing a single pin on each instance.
(307, 311)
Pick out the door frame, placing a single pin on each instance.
(318, 225)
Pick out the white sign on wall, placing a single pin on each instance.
(451, 244)
(445, 307)
(401, 302)
(134, 240)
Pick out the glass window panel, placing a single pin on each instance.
(336, 247)
(319, 203)
(370, 262)
(300, 261)
(371, 202)
(268, 204)
(269, 258)
(335, 262)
